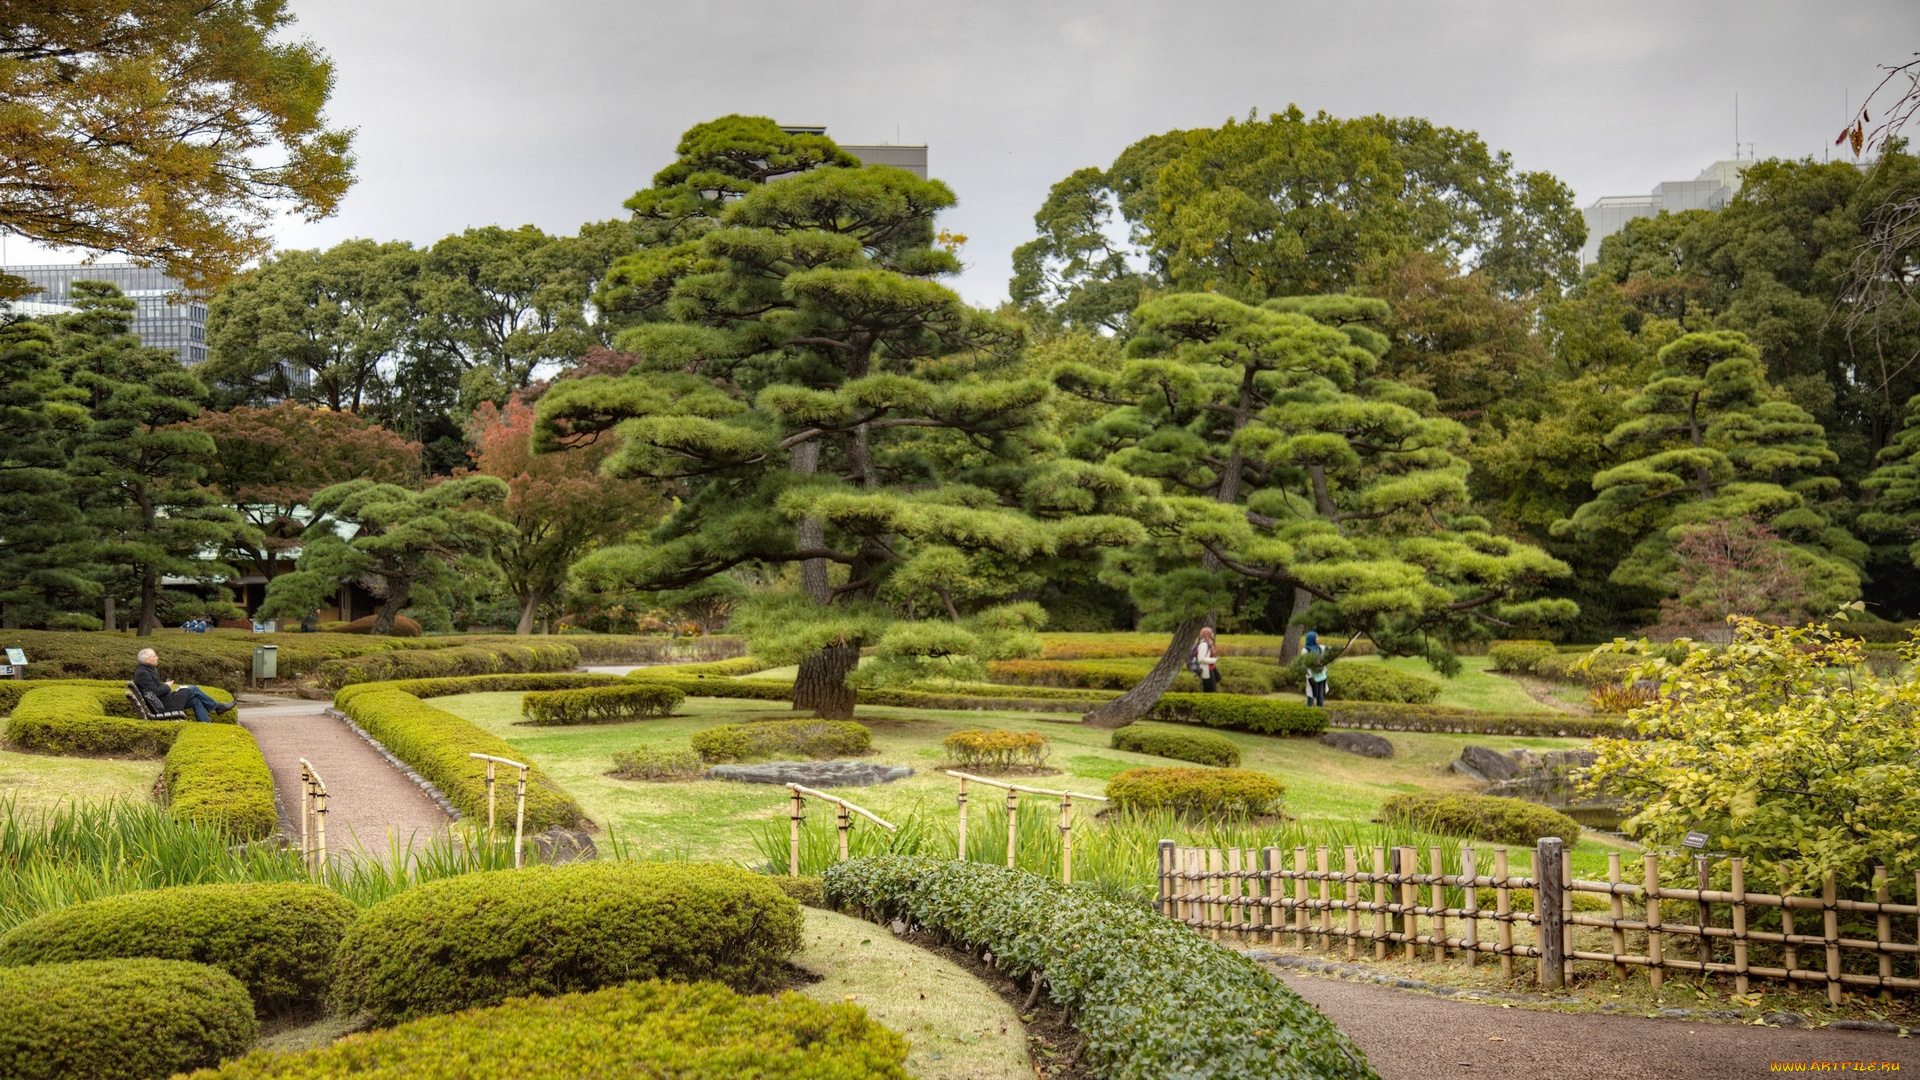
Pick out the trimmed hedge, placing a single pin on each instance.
(1376, 682)
(1237, 713)
(973, 696)
(737, 666)
(601, 704)
(445, 663)
(1201, 747)
(715, 686)
(685, 1031)
(1238, 675)
(277, 939)
(1152, 998)
(480, 684)
(762, 740)
(402, 626)
(1207, 792)
(1519, 657)
(436, 744)
(1479, 817)
(215, 774)
(12, 690)
(94, 721)
(478, 939)
(646, 764)
(1449, 719)
(980, 748)
(120, 1019)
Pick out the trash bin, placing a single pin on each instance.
(266, 661)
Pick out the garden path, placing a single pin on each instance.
(368, 800)
(1412, 1036)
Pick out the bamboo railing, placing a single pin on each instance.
(1013, 816)
(800, 794)
(313, 816)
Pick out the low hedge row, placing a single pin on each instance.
(697, 1031)
(650, 764)
(436, 744)
(92, 720)
(1237, 713)
(481, 938)
(715, 686)
(1238, 675)
(1200, 747)
(1151, 998)
(480, 684)
(11, 690)
(733, 668)
(1377, 682)
(1202, 792)
(216, 775)
(762, 740)
(964, 696)
(444, 663)
(120, 1019)
(1448, 719)
(601, 704)
(1479, 817)
(1108, 646)
(277, 939)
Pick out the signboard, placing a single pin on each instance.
(263, 628)
(8, 671)
(17, 656)
(1696, 841)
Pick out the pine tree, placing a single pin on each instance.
(1895, 484)
(41, 533)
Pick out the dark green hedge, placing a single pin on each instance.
(479, 939)
(1366, 681)
(1237, 713)
(215, 774)
(480, 684)
(649, 1029)
(492, 659)
(718, 686)
(277, 939)
(11, 690)
(1447, 719)
(601, 704)
(80, 721)
(1519, 657)
(436, 744)
(120, 1019)
(1152, 998)
(764, 740)
(1204, 792)
(1202, 747)
(1479, 817)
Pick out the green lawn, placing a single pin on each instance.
(1475, 687)
(36, 781)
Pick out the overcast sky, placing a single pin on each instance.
(482, 112)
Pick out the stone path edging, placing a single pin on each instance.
(427, 786)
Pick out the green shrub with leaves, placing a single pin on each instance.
(277, 939)
(480, 684)
(1613, 699)
(697, 1031)
(1587, 668)
(215, 773)
(1451, 719)
(448, 663)
(1519, 657)
(436, 744)
(478, 939)
(995, 750)
(1488, 818)
(1238, 675)
(719, 686)
(93, 721)
(601, 704)
(1237, 713)
(138, 1019)
(765, 740)
(1377, 682)
(1151, 998)
(1200, 747)
(1199, 792)
(12, 690)
(726, 669)
(646, 764)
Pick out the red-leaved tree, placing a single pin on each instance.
(1732, 567)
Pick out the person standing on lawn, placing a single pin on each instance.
(1205, 663)
(163, 696)
(1316, 670)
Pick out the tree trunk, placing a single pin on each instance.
(1290, 645)
(149, 605)
(1140, 700)
(811, 533)
(529, 608)
(109, 612)
(388, 611)
(821, 684)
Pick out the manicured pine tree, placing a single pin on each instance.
(42, 537)
(1895, 486)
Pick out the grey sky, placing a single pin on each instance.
(485, 112)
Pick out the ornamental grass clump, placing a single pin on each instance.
(1197, 792)
(1200, 747)
(766, 740)
(657, 765)
(601, 704)
(140, 1019)
(982, 749)
(1479, 817)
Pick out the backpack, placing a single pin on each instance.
(1193, 659)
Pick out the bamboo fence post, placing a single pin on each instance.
(1832, 916)
(1013, 812)
(1301, 898)
(1438, 891)
(1790, 949)
(519, 818)
(794, 817)
(1503, 911)
(1381, 898)
(1066, 839)
(1706, 916)
(1654, 971)
(1548, 899)
(1165, 905)
(1232, 883)
(1737, 871)
(1566, 914)
(490, 803)
(1196, 885)
(1619, 907)
(1353, 902)
(306, 809)
(962, 855)
(1216, 887)
(1883, 929)
(845, 824)
(1409, 869)
(320, 822)
(1276, 893)
(1470, 906)
(1916, 919)
(1322, 862)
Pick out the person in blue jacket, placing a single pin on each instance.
(1316, 670)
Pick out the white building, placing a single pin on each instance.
(1711, 190)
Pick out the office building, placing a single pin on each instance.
(911, 158)
(1711, 190)
(165, 316)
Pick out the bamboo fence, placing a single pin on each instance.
(1013, 817)
(1434, 904)
(799, 795)
(313, 816)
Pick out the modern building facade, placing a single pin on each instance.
(1713, 189)
(911, 158)
(165, 315)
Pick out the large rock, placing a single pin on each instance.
(1358, 742)
(1491, 764)
(816, 774)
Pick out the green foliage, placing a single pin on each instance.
(1590, 668)
(1778, 749)
(649, 764)
(12, 690)
(1448, 719)
(41, 532)
(1152, 998)
(277, 939)
(689, 1032)
(436, 743)
(1895, 486)
(601, 704)
(479, 684)
(1479, 817)
(74, 721)
(718, 686)
(1200, 747)
(215, 774)
(739, 665)
(1236, 713)
(449, 663)
(1375, 682)
(980, 748)
(1518, 657)
(767, 739)
(1199, 792)
(557, 930)
(1238, 675)
(120, 1019)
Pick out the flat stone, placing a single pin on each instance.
(816, 774)
(1489, 763)
(1358, 742)
(1466, 770)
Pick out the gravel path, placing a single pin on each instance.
(368, 800)
(1411, 1036)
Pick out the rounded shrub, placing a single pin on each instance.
(693, 1031)
(636, 700)
(983, 748)
(277, 939)
(1200, 747)
(766, 739)
(1479, 817)
(120, 1019)
(1376, 682)
(1217, 792)
(1239, 713)
(1518, 657)
(479, 939)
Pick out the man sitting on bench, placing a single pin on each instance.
(163, 697)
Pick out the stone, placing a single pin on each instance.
(1491, 764)
(814, 774)
(1358, 742)
(560, 845)
(1466, 770)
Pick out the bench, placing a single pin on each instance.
(144, 709)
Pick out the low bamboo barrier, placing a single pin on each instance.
(313, 817)
(800, 794)
(1013, 817)
(520, 803)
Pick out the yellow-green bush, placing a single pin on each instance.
(478, 939)
(647, 764)
(601, 704)
(215, 774)
(1377, 682)
(1479, 817)
(767, 739)
(11, 690)
(1588, 669)
(480, 684)
(649, 1029)
(1519, 657)
(981, 748)
(93, 721)
(120, 1019)
(492, 659)
(276, 938)
(1199, 747)
(1238, 713)
(739, 665)
(1207, 792)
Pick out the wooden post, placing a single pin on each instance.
(1276, 893)
(1619, 906)
(1302, 910)
(1165, 906)
(1216, 868)
(490, 814)
(1353, 902)
(1066, 839)
(1832, 914)
(1737, 871)
(1013, 832)
(794, 817)
(1322, 863)
(1705, 915)
(1381, 898)
(846, 827)
(320, 824)
(1408, 869)
(1883, 929)
(1503, 911)
(962, 855)
(1566, 913)
(1654, 970)
(1547, 904)
(519, 818)
(1790, 950)
(1469, 869)
(1437, 861)
(306, 809)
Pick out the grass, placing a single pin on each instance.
(40, 782)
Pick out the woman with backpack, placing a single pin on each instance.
(1316, 658)
(1203, 662)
